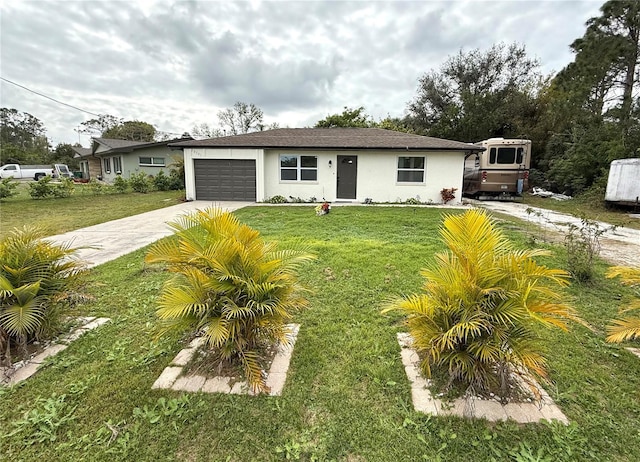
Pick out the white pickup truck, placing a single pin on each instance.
(35, 171)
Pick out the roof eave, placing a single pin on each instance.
(330, 148)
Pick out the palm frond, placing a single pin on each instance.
(623, 329)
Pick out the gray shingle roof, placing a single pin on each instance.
(332, 138)
(115, 145)
(81, 152)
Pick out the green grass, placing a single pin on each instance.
(82, 209)
(346, 396)
(588, 207)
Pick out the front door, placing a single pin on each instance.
(347, 175)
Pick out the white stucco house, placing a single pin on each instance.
(334, 164)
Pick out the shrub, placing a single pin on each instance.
(42, 188)
(276, 200)
(626, 328)
(412, 201)
(120, 185)
(177, 173)
(140, 182)
(448, 194)
(64, 188)
(37, 281)
(232, 286)
(162, 182)
(583, 245)
(481, 299)
(95, 187)
(8, 188)
(176, 180)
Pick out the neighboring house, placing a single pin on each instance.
(121, 157)
(334, 164)
(89, 165)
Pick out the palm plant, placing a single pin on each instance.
(37, 279)
(480, 302)
(236, 289)
(626, 328)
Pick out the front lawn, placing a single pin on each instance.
(346, 396)
(83, 208)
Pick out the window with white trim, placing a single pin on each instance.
(151, 161)
(107, 164)
(298, 168)
(411, 169)
(117, 164)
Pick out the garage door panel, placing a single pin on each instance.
(225, 179)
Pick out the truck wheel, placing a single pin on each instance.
(38, 176)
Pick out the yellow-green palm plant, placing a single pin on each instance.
(479, 304)
(626, 328)
(37, 279)
(231, 285)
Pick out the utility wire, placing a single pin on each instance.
(65, 104)
(48, 97)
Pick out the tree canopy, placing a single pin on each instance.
(23, 138)
(239, 119)
(478, 94)
(108, 126)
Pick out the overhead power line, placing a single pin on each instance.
(48, 97)
(66, 104)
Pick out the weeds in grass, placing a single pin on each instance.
(583, 246)
(42, 423)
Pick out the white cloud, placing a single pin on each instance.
(173, 64)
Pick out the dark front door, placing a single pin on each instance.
(347, 175)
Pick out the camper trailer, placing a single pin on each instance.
(501, 171)
(623, 185)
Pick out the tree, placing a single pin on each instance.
(97, 127)
(479, 94)
(593, 101)
(476, 318)
(64, 154)
(203, 131)
(241, 118)
(349, 118)
(237, 120)
(22, 138)
(108, 126)
(132, 130)
(38, 279)
(236, 289)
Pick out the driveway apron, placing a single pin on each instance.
(108, 241)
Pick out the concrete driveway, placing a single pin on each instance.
(110, 240)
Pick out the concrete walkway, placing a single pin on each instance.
(110, 240)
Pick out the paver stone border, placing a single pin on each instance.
(172, 378)
(492, 410)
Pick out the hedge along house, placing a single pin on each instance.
(123, 157)
(334, 164)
